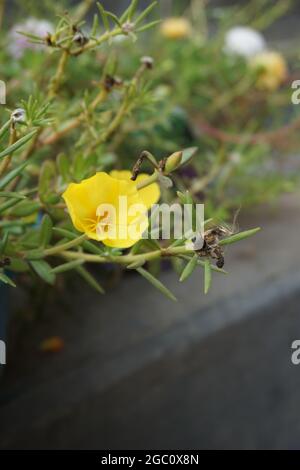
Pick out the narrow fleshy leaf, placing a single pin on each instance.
(104, 17)
(156, 283)
(189, 268)
(95, 25)
(62, 268)
(6, 280)
(11, 195)
(8, 205)
(132, 9)
(46, 231)
(25, 208)
(63, 165)
(3, 243)
(148, 26)
(86, 245)
(239, 236)
(137, 264)
(4, 129)
(35, 254)
(12, 148)
(145, 13)
(207, 276)
(11, 175)
(90, 279)
(43, 270)
(114, 18)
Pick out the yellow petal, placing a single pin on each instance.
(149, 195)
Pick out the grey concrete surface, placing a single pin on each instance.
(141, 372)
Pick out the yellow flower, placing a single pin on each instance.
(273, 70)
(149, 195)
(109, 208)
(175, 28)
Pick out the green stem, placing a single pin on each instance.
(2, 7)
(152, 179)
(97, 42)
(126, 259)
(6, 160)
(74, 123)
(56, 80)
(113, 126)
(64, 246)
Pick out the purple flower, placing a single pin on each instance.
(18, 43)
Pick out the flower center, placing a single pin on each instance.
(105, 222)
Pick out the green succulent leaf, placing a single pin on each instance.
(25, 208)
(156, 283)
(4, 129)
(207, 276)
(239, 236)
(43, 270)
(6, 280)
(189, 268)
(90, 279)
(86, 244)
(104, 16)
(12, 148)
(11, 175)
(46, 231)
(67, 266)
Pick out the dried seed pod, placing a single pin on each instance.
(4, 262)
(48, 40)
(18, 115)
(148, 62)
(80, 38)
(110, 82)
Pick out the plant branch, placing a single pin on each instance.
(56, 80)
(97, 42)
(64, 246)
(6, 160)
(74, 123)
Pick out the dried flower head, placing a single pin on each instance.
(147, 61)
(18, 115)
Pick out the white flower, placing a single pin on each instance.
(17, 43)
(244, 41)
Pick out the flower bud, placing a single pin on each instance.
(173, 162)
(272, 70)
(175, 28)
(128, 27)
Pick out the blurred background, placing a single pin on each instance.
(137, 372)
